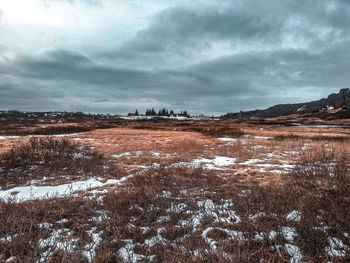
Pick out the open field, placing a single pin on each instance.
(174, 191)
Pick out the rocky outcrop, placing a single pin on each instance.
(335, 100)
(345, 93)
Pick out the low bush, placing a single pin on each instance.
(45, 230)
(320, 187)
(223, 131)
(47, 156)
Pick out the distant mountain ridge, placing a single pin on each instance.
(334, 100)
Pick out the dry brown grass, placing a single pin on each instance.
(120, 140)
(46, 130)
(234, 149)
(146, 198)
(51, 158)
(26, 226)
(321, 187)
(156, 203)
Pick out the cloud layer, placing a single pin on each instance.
(211, 58)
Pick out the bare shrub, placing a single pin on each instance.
(223, 131)
(322, 168)
(321, 137)
(28, 230)
(321, 190)
(47, 156)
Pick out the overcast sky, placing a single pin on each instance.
(204, 56)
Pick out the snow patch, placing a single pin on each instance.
(294, 216)
(294, 252)
(227, 139)
(25, 193)
(336, 247)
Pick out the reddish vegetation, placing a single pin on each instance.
(263, 193)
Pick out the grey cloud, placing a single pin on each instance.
(179, 25)
(183, 31)
(163, 65)
(228, 83)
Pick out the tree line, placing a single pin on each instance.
(161, 112)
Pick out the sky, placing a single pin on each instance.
(205, 56)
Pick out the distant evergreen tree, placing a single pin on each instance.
(149, 112)
(136, 113)
(164, 112)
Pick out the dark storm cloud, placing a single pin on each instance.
(180, 26)
(182, 31)
(207, 85)
(213, 59)
(275, 71)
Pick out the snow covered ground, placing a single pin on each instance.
(31, 192)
